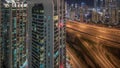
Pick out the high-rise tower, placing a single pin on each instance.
(18, 22)
(62, 29)
(46, 34)
(4, 42)
(111, 7)
(13, 35)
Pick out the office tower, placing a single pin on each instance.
(13, 34)
(46, 34)
(62, 36)
(4, 34)
(18, 22)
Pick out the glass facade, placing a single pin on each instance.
(13, 35)
(38, 36)
(4, 25)
(62, 34)
(56, 34)
(18, 36)
(48, 35)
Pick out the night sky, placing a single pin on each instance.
(88, 2)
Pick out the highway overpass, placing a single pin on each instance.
(95, 47)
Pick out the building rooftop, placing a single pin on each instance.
(12, 1)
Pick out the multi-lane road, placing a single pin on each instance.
(95, 47)
(72, 54)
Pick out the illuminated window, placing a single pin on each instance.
(55, 17)
(42, 41)
(56, 54)
(42, 48)
(41, 65)
(48, 54)
(41, 11)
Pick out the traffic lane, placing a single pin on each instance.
(93, 38)
(95, 31)
(85, 57)
(95, 26)
(98, 55)
(76, 62)
(98, 34)
(101, 58)
(101, 29)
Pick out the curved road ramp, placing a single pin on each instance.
(94, 46)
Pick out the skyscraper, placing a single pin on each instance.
(13, 35)
(18, 22)
(46, 33)
(62, 35)
(4, 33)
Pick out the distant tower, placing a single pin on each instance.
(118, 5)
(81, 15)
(83, 10)
(112, 8)
(95, 4)
(101, 4)
(95, 16)
(83, 4)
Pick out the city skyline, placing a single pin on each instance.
(87, 2)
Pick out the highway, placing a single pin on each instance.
(74, 59)
(96, 47)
